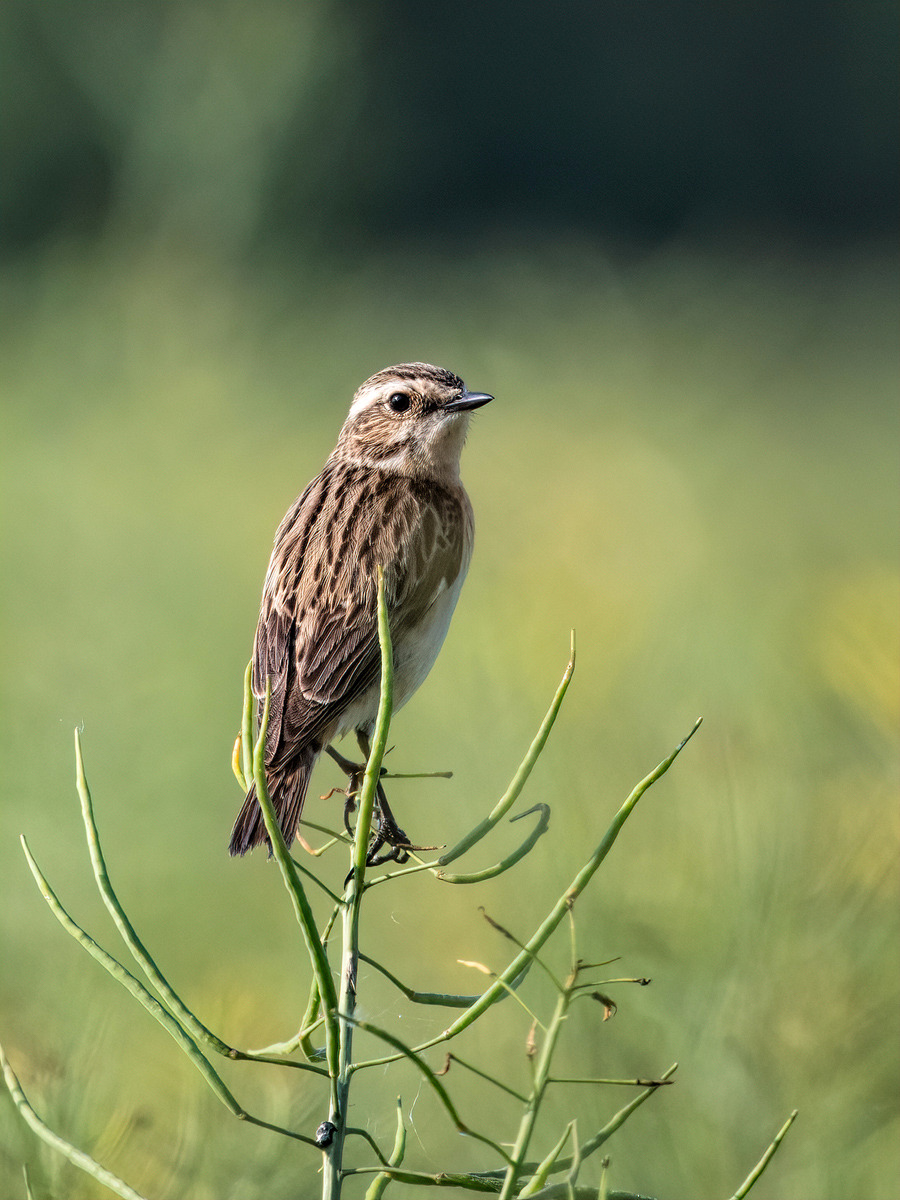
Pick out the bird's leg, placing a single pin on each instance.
(354, 772)
(388, 832)
(347, 766)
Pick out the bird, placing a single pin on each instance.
(389, 496)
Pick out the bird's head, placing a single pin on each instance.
(410, 419)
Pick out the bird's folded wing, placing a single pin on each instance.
(317, 667)
(339, 657)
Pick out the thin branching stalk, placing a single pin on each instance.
(491, 1079)
(379, 1184)
(302, 910)
(521, 776)
(541, 1175)
(432, 1079)
(441, 999)
(72, 1153)
(138, 950)
(522, 960)
(332, 1008)
(543, 824)
(765, 1160)
(133, 985)
(539, 1087)
(353, 894)
(173, 1003)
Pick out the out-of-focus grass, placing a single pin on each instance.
(692, 460)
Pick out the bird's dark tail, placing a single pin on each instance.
(287, 788)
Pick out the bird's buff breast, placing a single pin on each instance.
(414, 653)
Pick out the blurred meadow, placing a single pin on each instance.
(219, 219)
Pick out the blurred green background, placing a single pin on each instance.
(660, 235)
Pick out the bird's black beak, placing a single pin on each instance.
(467, 401)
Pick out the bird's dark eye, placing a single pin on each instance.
(399, 402)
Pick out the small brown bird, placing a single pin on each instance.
(390, 496)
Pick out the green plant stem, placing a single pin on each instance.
(380, 1182)
(440, 1091)
(159, 1011)
(545, 1168)
(133, 985)
(654, 1083)
(764, 1161)
(74, 1155)
(511, 859)
(539, 1087)
(539, 1178)
(522, 960)
(139, 951)
(302, 910)
(486, 1076)
(333, 1155)
(562, 906)
(521, 776)
(443, 1179)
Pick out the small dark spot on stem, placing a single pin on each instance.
(325, 1134)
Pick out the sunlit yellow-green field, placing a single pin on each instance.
(692, 461)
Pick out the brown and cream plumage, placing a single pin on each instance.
(389, 495)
